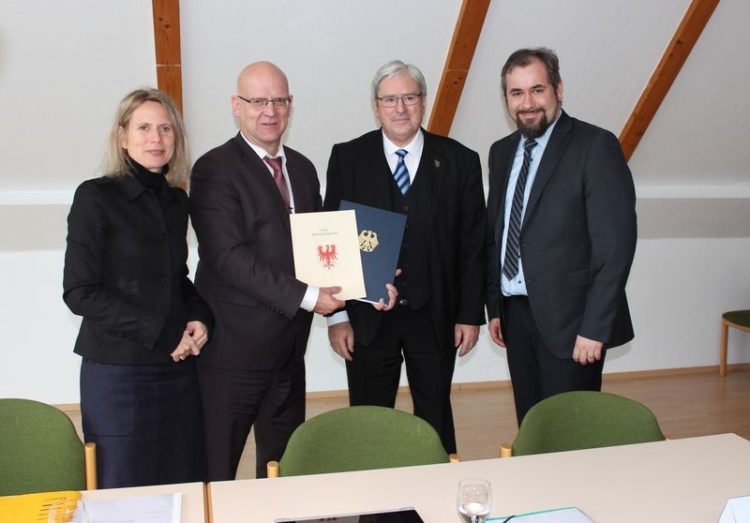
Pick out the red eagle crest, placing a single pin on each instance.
(327, 255)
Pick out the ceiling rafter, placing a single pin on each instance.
(457, 64)
(166, 14)
(693, 22)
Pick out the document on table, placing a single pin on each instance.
(42, 506)
(558, 515)
(142, 509)
(737, 510)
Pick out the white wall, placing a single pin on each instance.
(676, 313)
(64, 66)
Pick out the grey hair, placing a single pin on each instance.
(395, 68)
(116, 161)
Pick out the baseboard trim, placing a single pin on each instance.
(505, 384)
(608, 377)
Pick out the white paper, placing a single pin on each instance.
(737, 510)
(326, 251)
(142, 509)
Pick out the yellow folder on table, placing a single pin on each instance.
(47, 507)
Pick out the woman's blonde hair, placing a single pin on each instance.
(116, 161)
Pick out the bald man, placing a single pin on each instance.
(252, 373)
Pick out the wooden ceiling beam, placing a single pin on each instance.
(693, 22)
(166, 15)
(457, 64)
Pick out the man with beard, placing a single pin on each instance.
(561, 238)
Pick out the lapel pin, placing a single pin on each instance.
(437, 164)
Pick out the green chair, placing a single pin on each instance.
(359, 438)
(583, 420)
(737, 319)
(40, 450)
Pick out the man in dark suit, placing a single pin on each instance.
(437, 183)
(561, 238)
(252, 371)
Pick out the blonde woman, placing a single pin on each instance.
(143, 323)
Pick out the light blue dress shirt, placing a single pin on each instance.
(517, 285)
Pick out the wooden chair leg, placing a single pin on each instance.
(723, 356)
(506, 450)
(89, 451)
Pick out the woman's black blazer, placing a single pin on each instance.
(126, 273)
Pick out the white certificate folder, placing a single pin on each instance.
(326, 251)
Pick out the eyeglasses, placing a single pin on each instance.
(392, 101)
(260, 103)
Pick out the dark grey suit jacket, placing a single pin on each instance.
(246, 268)
(578, 235)
(358, 171)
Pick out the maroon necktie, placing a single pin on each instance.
(278, 177)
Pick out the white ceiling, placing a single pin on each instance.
(61, 75)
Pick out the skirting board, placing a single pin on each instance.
(505, 384)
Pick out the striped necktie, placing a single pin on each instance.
(512, 244)
(401, 174)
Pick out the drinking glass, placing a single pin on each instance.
(474, 500)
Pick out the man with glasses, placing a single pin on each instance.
(252, 371)
(437, 183)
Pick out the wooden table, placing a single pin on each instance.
(687, 480)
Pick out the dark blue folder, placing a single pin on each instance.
(380, 234)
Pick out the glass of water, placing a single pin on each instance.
(474, 501)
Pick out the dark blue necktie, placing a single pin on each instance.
(401, 174)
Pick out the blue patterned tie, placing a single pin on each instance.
(401, 174)
(512, 244)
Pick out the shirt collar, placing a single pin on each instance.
(261, 152)
(416, 144)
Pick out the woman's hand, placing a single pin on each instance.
(193, 340)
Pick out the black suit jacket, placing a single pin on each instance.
(578, 235)
(358, 171)
(125, 272)
(246, 268)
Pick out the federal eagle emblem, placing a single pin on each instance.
(327, 255)
(368, 241)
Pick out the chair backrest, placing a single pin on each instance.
(361, 438)
(39, 449)
(583, 420)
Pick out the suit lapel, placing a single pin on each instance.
(298, 189)
(558, 141)
(256, 169)
(430, 169)
(377, 177)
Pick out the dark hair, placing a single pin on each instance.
(524, 57)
